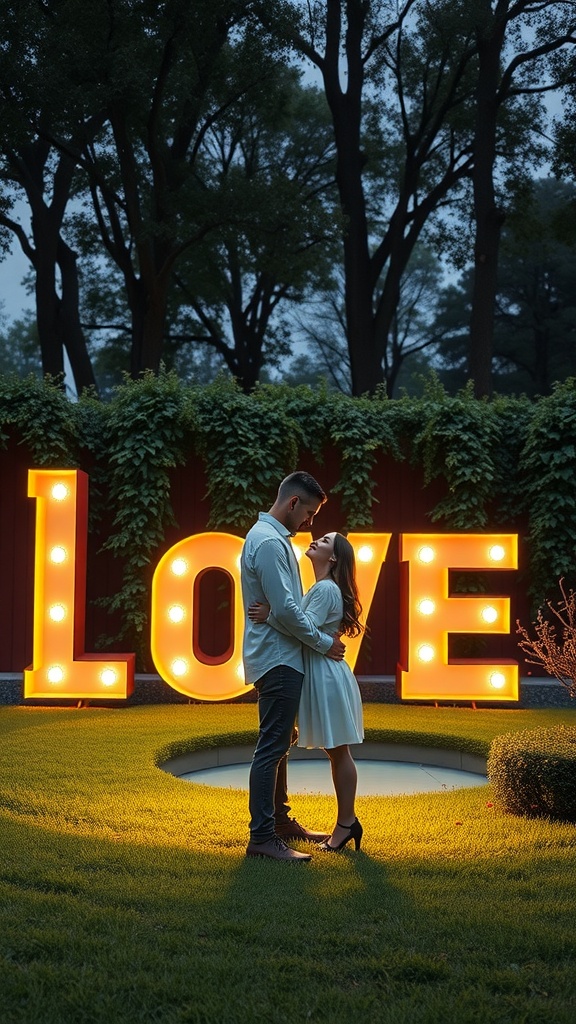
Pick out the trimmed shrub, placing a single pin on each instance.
(534, 772)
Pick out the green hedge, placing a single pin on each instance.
(501, 460)
(436, 740)
(534, 772)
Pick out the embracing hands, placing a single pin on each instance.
(337, 651)
(259, 611)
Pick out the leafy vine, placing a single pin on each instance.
(501, 460)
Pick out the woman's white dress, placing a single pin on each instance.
(330, 712)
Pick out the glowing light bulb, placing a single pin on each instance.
(426, 607)
(57, 613)
(426, 554)
(55, 674)
(58, 555)
(179, 667)
(426, 652)
(108, 677)
(179, 566)
(496, 553)
(497, 680)
(176, 613)
(60, 492)
(240, 672)
(489, 614)
(365, 553)
(297, 551)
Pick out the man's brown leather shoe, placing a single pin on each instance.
(292, 829)
(275, 849)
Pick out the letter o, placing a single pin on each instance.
(173, 616)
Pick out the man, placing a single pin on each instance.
(273, 659)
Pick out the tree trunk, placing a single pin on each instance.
(489, 219)
(346, 109)
(69, 321)
(47, 315)
(151, 347)
(542, 359)
(58, 318)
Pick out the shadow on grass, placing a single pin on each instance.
(96, 930)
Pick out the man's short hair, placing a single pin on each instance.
(302, 484)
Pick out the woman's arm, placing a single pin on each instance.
(321, 606)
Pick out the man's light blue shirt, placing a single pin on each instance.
(270, 574)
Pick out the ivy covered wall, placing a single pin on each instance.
(508, 464)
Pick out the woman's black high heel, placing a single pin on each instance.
(355, 831)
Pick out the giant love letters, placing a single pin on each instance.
(61, 668)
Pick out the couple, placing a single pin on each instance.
(293, 656)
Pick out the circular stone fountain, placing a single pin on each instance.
(383, 769)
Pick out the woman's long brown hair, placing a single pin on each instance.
(343, 573)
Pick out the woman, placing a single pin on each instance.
(330, 711)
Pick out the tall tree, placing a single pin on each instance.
(171, 75)
(151, 79)
(266, 165)
(535, 311)
(272, 156)
(442, 75)
(31, 168)
(400, 72)
(524, 50)
(323, 324)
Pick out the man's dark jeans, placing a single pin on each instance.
(278, 698)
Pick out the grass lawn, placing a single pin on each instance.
(125, 895)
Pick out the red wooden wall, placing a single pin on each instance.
(403, 506)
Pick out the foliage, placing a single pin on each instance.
(459, 439)
(506, 461)
(535, 314)
(536, 306)
(38, 412)
(557, 655)
(270, 160)
(396, 95)
(145, 433)
(357, 428)
(360, 430)
(534, 772)
(19, 347)
(548, 471)
(513, 417)
(246, 451)
(186, 186)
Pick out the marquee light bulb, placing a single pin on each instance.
(57, 613)
(497, 680)
(426, 652)
(179, 566)
(108, 676)
(58, 555)
(179, 667)
(176, 613)
(496, 553)
(489, 614)
(426, 607)
(426, 555)
(60, 492)
(55, 674)
(297, 551)
(240, 672)
(365, 553)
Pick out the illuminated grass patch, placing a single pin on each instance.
(125, 895)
